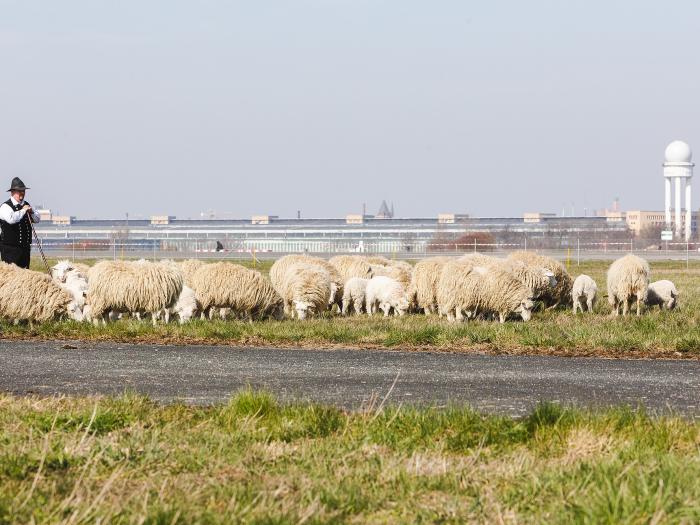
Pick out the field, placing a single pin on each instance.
(128, 460)
(655, 334)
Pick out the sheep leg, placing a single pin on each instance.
(501, 317)
(459, 317)
(625, 307)
(576, 304)
(589, 304)
(638, 306)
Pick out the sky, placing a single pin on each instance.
(489, 108)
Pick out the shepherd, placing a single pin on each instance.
(15, 217)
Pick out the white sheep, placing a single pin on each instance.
(489, 290)
(243, 292)
(132, 287)
(628, 280)
(354, 294)
(26, 295)
(305, 289)
(662, 293)
(422, 291)
(584, 291)
(387, 294)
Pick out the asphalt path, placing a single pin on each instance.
(348, 378)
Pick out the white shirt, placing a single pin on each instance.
(10, 216)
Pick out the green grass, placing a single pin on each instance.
(254, 460)
(669, 334)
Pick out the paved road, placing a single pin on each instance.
(209, 374)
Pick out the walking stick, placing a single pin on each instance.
(38, 243)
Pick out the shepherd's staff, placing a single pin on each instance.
(38, 243)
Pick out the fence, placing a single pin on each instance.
(192, 248)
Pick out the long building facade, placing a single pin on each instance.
(353, 234)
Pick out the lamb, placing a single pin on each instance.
(350, 266)
(246, 292)
(61, 268)
(584, 289)
(133, 287)
(662, 293)
(305, 289)
(561, 292)
(386, 293)
(424, 283)
(486, 290)
(628, 280)
(280, 266)
(354, 293)
(26, 295)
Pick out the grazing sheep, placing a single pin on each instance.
(246, 292)
(354, 294)
(662, 293)
(26, 295)
(188, 267)
(132, 287)
(447, 294)
(278, 270)
(628, 280)
(398, 270)
(305, 289)
(584, 291)
(386, 293)
(377, 259)
(479, 259)
(538, 279)
(350, 266)
(561, 292)
(424, 283)
(186, 306)
(490, 290)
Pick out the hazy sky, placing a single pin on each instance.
(256, 107)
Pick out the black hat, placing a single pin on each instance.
(17, 185)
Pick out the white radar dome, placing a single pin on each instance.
(678, 151)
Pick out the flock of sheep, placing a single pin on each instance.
(301, 286)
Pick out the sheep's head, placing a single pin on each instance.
(59, 271)
(277, 312)
(401, 306)
(74, 311)
(334, 291)
(186, 311)
(525, 309)
(303, 309)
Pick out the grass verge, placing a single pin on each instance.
(128, 460)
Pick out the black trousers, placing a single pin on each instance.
(15, 255)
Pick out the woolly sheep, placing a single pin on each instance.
(246, 292)
(480, 259)
(280, 266)
(447, 292)
(305, 289)
(386, 293)
(350, 266)
(490, 290)
(354, 294)
(561, 292)
(424, 283)
(26, 295)
(584, 291)
(662, 293)
(133, 287)
(538, 279)
(628, 280)
(188, 267)
(398, 270)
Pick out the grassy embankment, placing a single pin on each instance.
(669, 334)
(128, 460)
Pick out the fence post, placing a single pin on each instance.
(73, 249)
(578, 251)
(474, 244)
(526, 243)
(687, 254)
